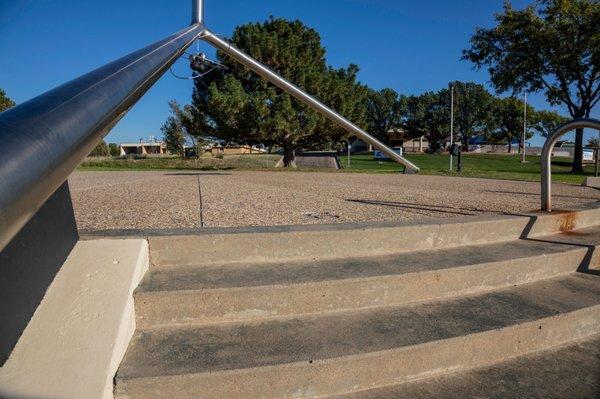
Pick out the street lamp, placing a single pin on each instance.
(451, 122)
(523, 160)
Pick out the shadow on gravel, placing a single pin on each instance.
(534, 194)
(428, 208)
(198, 174)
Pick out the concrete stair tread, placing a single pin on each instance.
(568, 371)
(209, 349)
(307, 271)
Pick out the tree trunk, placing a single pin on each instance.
(288, 157)
(578, 153)
(509, 146)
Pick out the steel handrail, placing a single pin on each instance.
(547, 155)
(44, 139)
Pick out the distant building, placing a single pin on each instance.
(151, 147)
(236, 150)
(394, 138)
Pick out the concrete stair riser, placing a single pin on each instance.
(160, 308)
(359, 372)
(334, 241)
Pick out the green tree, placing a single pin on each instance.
(551, 46)
(101, 150)
(173, 129)
(473, 111)
(385, 110)
(429, 115)
(114, 149)
(5, 102)
(546, 122)
(509, 121)
(237, 105)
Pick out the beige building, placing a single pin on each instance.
(236, 150)
(141, 148)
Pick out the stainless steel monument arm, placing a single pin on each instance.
(546, 179)
(303, 97)
(45, 138)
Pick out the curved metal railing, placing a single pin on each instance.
(547, 155)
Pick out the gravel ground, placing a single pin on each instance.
(140, 199)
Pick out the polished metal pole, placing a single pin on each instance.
(45, 138)
(451, 124)
(546, 179)
(523, 156)
(197, 12)
(305, 98)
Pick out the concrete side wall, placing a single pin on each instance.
(78, 335)
(29, 263)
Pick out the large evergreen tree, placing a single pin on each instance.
(237, 105)
(552, 46)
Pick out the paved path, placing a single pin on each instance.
(149, 199)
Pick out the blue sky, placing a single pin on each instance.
(410, 46)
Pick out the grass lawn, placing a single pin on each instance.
(473, 165)
(489, 166)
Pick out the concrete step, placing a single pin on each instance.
(567, 371)
(238, 292)
(350, 351)
(318, 242)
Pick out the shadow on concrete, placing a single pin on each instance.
(13, 396)
(586, 262)
(29, 263)
(428, 208)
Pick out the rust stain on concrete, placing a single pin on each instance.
(566, 220)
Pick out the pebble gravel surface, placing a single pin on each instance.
(160, 200)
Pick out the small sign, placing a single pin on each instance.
(377, 154)
(588, 155)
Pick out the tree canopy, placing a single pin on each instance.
(473, 111)
(508, 121)
(101, 150)
(546, 122)
(551, 46)
(174, 134)
(428, 114)
(385, 110)
(238, 105)
(5, 102)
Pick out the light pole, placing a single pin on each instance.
(451, 123)
(349, 146)
(523, 159)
